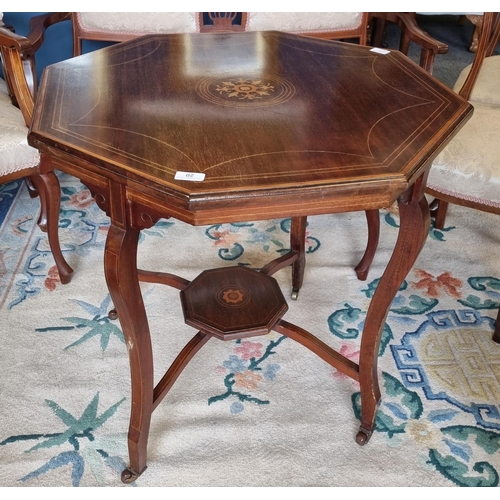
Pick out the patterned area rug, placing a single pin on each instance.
(262, 411)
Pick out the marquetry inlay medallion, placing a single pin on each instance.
(233, 296)
(239, 91)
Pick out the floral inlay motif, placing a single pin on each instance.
(236, 91)
(243, 88)
(232, 296)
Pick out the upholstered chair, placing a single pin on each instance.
(18, 160)
(331, 25)
(467, 172)
(122, 26)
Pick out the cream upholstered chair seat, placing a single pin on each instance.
(304, 22)
(122, 26)
(137, 23)
(469, 167)
(487, 86)
(15, 153)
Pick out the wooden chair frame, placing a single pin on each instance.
(18, 62)
(490, 37)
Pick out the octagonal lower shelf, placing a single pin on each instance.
(233, 302)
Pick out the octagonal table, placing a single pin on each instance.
(218, 128)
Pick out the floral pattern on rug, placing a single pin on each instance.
(245, 370)
(82, 227)
(435, 397)
(268, 236)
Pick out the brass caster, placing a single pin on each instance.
(295, 294)
(129, 476)
(363, 436)
(112, 315)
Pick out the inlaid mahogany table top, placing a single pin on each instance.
(257, 126)
(320, 125)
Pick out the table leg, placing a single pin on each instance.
(414, 227)
(120, 264)
(298, 243)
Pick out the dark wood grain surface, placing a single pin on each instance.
(254, 112)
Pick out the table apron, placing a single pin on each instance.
(146, 205)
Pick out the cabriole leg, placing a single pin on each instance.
(414, 227)
(120, 264)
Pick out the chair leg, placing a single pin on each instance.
(496, 333)
(31, 187)
(33, 192)
(438, 212)
(373, 220)
(378, 32)
(48, 188)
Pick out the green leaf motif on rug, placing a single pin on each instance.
(489, 441)
(383, 421)
(486, 284)
(474, 302)
(348, 323)
(232, 253)
(459, 473)
(372, 286)
(410, 399)
(403, 406)
(338, 320)
(78, 429)
(416, 305)
(413, 305)
(98, 326)
(438, 234)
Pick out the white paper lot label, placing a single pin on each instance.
(189, 176)
(380, 51)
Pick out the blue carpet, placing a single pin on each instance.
(8, 194)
